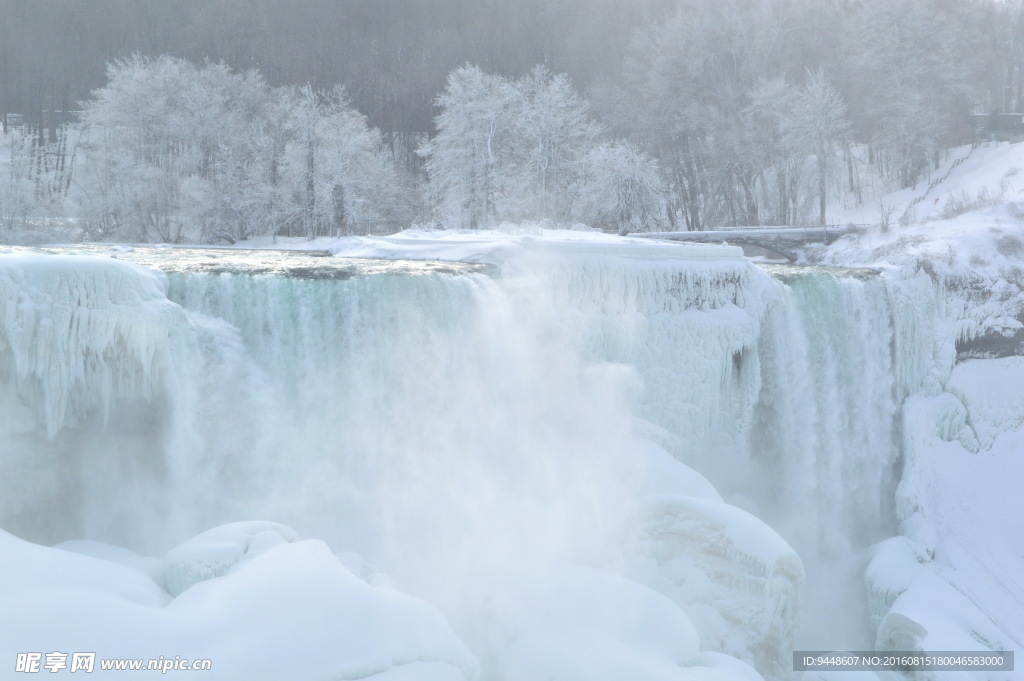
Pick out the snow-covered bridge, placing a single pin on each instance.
(786, 241)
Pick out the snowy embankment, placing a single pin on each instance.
(493, 247)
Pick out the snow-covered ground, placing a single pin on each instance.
(984, 173)
(492, 246)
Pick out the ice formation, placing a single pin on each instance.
(215, 552)
(79, 333)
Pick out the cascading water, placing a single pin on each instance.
(824, 446)
(473, 435)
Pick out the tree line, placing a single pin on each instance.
(329, 117)
(172, 151)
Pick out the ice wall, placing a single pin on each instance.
(88, 347)
(79, 334)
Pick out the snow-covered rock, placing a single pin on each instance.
(284, 609)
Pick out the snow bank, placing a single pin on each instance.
(585, 624)
(989, 391)
(736, 578)
(291, 610)
(213, 553)
(499, 245)
(966, 237)
(959, 502)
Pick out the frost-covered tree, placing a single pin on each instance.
(818, 127)
(467, 162)
(36, 170)
(778, 163)
(177, 152)
(507, 150)
(553, 132)
(622, 189)
(795, 134)
(262, 190)
(915, 71)
(155, 145)
(341, 183)
(17, 198)
(675, 76)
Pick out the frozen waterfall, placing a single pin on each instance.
(670, 433)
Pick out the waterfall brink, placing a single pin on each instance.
(663, 427)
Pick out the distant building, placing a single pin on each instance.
(13, 120)
(41, 120)
(997, 125)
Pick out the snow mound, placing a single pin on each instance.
(987, 389)
(284, 611)
(736, 578)
(578, 623)
(894, 565)
(933, 615)
(214, 552)
(28, 571)
(299, 595)
(151, 567)
(657, 473)
(955, 582)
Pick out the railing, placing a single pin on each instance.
(934, 183)
(809, 233)
(806, 234)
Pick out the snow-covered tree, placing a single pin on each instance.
(261, 190)
(507, 150)
(818, 127)
(795, 134)
(36, 169)
(154, 143)
(779, 165)
(468, 160)
(177, 152)
(339, 179)
(623, 189)
(17, 199)
(553, 132)
(915, 71)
